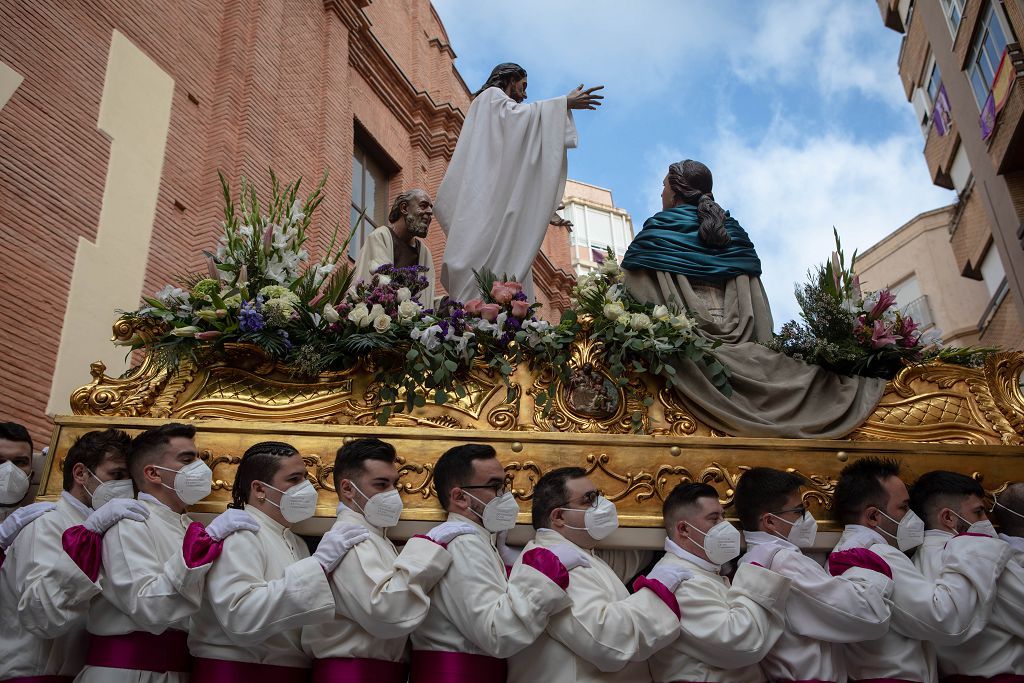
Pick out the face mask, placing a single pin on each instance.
(192, 483)
(600, 520)
(721, 542)
(499, 514)
(297, 503)
(803, 531)
(909, 531)
(109, 490)
(984, 527)
(383, 509)
(13, 483)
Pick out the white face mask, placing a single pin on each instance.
(803, 531)
(721, 542)
(297, 503)
(909, 531)
(499, 514)
(600, 520)
(983, 527)
(192, 483)
(383, 509)
(13, 483)
(109, 490)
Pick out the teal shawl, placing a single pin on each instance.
(669, 242)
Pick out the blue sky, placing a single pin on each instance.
(795, 105)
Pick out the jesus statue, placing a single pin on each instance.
(505, 180)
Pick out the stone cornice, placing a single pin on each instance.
(555, 282)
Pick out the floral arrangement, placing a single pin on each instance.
(853, 332)
(262, 288)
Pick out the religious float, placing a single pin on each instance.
(267, 345)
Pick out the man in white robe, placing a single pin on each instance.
(822, 611)
(951, 504)
(505, 180)
(479, 615)
(153, 569)
(381, 596)
(44, 596)
(402, 243)
(1008, 513)
(727, 629)
(927, 613)
(15, 469)
(607, 634)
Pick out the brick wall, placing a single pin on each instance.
(972, 233)
(1006, 330)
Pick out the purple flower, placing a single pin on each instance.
(286, 339)
(249, 318)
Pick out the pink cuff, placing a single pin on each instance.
(85, 548)
(199, 547)
(971, 533)
(548, 564)
(758, 564)
(443, 545)
(661, 591)
(843, 560)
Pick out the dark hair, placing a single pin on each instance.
(938, 489)
(502, 75)
(92, 448)
(761, 490)
(684, 495)
(260, 462)
(550, 493)
(860, 487)
(1012, 497)
(691, 182)
(455, 468)
(351, 458)
(12, 431)
(146, 446)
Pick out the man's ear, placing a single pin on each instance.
(80, 473)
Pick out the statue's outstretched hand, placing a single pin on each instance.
(584, 98)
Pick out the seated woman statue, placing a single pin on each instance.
(695, 255)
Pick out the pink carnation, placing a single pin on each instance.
(489, 312)
(502, 293)
(514, 286)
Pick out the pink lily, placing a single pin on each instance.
(207, 336)
(881, 335)
(886, 299)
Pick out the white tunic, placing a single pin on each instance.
(607, 634)
(146, 586)
(999, 649)
(381, 596)
(504, 181)
(44, 598)
(475, 609)
(379, 248)
(261, 591)
(822, 611)
(726, 630)
(945, 610)
(1017, 545)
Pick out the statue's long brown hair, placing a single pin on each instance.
(691, 182)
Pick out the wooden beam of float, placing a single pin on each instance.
(635, 471)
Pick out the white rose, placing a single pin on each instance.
(610, 267)
(331, 314)
(640, 321)
(375, 312)
(660, 312)
(682, 323)
(360, 315)
(613, 310)
(625, 319)
(382, 323)
(403, 294)
(408, 309)
(383, 280)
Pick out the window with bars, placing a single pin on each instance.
(986, 53)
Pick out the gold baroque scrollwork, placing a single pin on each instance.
(1003, 372)
(406, 470)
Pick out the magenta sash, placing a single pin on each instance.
(226, 671)
(358, 670)
(429, 666)
(883, 680)
(39, 679)
(998, 678)
(141, 651)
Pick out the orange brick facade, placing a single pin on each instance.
(278, 83)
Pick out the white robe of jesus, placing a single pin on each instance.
(504, 181)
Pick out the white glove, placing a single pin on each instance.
(670, 575)
(112, 512)
(762, 554)
(18, 520)
(509, 555)
(337, 542)
(230, 521)
(444, 533)
(569, 557)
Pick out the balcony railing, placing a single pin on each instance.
(920, 311)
